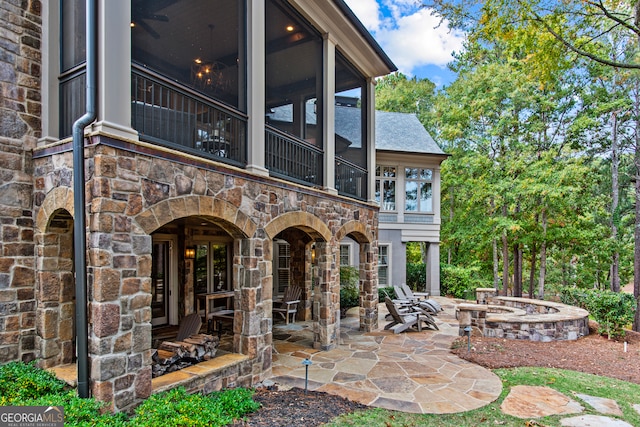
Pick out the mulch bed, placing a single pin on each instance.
(295, 408)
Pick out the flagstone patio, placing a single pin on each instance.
(410, 372)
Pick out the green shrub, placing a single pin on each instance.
(416, 275)
(613, 311)
(459, 282)
(386, 291)
(26, 385)
(349, 288)
(177, 408)
(21, 381)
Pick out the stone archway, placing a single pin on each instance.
(55, 312)
(325, 293)
(368, 272)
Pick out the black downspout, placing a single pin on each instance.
(79, 223)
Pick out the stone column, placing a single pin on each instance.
(20, 125)
(368, 288)
(327, 329)
(119, 272)
(253, 299)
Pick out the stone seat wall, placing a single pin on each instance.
(523, 318)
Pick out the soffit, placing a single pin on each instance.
(328, 18)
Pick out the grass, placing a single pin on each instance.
(24, 384)
(564, 381)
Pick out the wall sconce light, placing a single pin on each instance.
(313, 255)
(190, 253)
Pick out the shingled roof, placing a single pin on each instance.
(401, 132)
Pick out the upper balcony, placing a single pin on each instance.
(206, 76)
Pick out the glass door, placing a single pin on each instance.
(160, 283)
(211, 268)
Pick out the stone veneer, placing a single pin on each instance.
(522, 318)
(20, 63)
(132, 192)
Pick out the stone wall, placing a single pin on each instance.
(523, 318)
(131, 194)
(20, 62)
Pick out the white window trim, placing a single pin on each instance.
(388, 246)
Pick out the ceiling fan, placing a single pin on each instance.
(146, 10)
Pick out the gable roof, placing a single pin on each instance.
(403, 132)
(399, 132)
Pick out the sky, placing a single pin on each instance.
(415, 40)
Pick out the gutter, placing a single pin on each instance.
(79, 203)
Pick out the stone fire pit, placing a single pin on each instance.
(522, 318)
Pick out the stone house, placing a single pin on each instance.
(189, 187)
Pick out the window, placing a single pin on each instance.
(345, 258)
(282, 263)
(383, 266)
(386, 187)
(418, 193)
(198, 43)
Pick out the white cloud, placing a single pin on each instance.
(367, 11)
(408, 33)
(419, 39)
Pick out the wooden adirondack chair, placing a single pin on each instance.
(402, 321)
(411, 295)
(289, 303)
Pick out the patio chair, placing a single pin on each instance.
(410, 294)
(430, 306)
(190, 325)
(402, 298)
(289, 303)
(402, 321)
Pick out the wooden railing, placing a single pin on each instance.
(169, 114)
(291, 158)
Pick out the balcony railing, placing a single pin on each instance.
(291, 158)
(72, 98)
(351, 179)
(168, 114)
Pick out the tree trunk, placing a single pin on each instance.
(636, 245)
(615, 261)
(451, 204)
(543, 256)
(496, 260)
(532, 272)
(496, 265)
(517, 270)
(636, 232)
(505, 258)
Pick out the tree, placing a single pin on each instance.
(547, 36)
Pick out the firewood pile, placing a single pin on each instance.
(174, 355)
